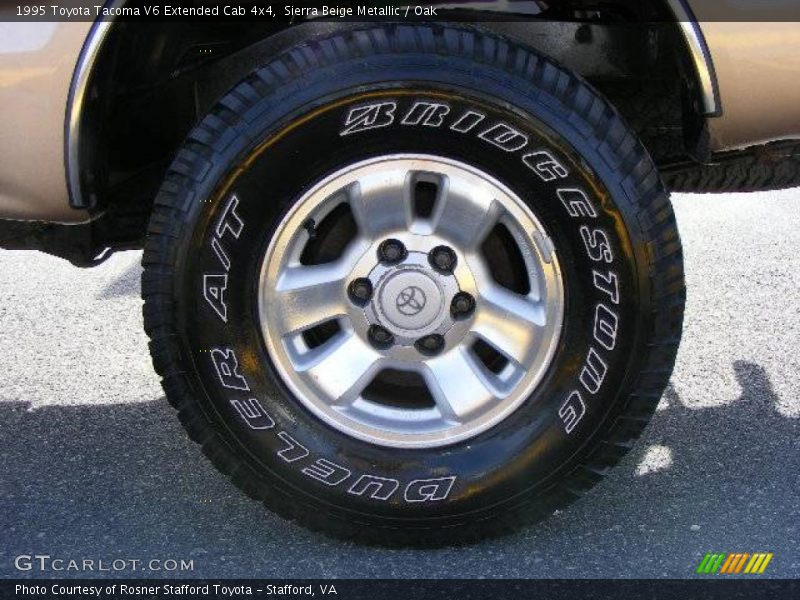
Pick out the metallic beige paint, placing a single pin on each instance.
(37, 61)
(755, 50)
(758, 73)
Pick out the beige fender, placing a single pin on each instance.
(37, 61)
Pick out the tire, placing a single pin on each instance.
(438, 99)
(773, 166)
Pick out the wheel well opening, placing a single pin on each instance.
(151, 83)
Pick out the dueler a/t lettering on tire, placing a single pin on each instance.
(413, 284)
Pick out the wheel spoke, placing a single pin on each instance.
(513, 324)
(342, 367)
(466, 213)
(422, 222)
(381, 202)
(310, 295)
(456, 384)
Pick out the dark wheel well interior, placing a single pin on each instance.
(152, 82)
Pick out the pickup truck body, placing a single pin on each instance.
(55, 127)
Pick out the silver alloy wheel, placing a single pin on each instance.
(411, 300)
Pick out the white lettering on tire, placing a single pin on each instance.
(606, 323)
(597, 244)
(544, 165)
(214, 286)
(379, 488)
(323, 470)
(221, 254)
(572, 411)
(428, 114)
(327, 472)
(253, 413)
(229, 220)
(227, 368)
(576, 202)
(369, 116)
(505, 137)
(593, 372)
(467, 121)
(293, 450)
(422, 490)
(608, 283)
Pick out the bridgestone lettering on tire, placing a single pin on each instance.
(413, 285)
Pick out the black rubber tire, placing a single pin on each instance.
(277, 132)
(766, 168)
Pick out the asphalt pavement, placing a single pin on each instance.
(94, 465)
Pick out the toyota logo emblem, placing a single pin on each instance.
(410, 301)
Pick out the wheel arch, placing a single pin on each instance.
(123, 125)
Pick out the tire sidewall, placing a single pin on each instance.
(300, 126)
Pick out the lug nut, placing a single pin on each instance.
(430, 344)
(442, 259)
(380, 337)
(462, 305)
(392, 251)
(360, 290)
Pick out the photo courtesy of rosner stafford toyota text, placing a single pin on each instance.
(365, 299)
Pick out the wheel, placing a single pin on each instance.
(775, 166)
(413, 285)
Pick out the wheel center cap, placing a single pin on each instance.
(410, 299)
